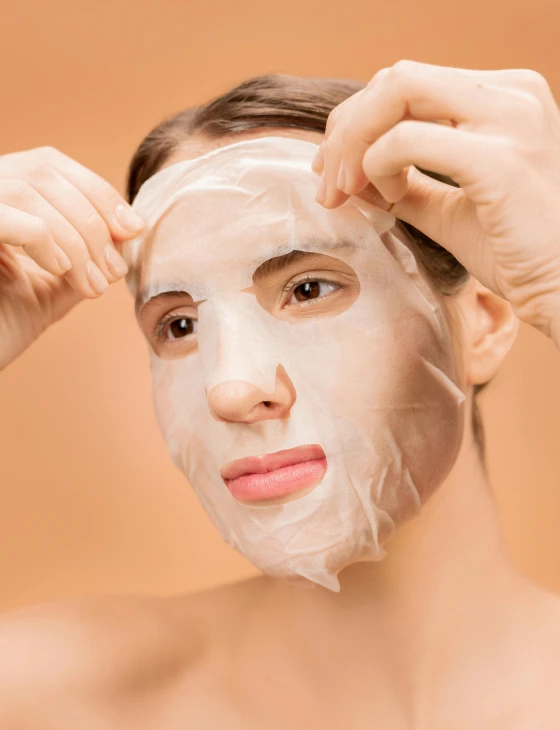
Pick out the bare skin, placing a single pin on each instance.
(443, 633)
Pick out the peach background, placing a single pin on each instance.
(89, 502)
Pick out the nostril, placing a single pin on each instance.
(242, 402)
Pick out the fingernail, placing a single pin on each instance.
(128, 218)
(321, 190)
(97, 281)
(115, 262)
(341, 179)
(62, 259)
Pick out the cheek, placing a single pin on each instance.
(178, 394)
(164, 379)
(379, 369)
(395, 387)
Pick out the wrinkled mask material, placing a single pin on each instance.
(373, 383)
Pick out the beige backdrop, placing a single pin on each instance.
(88, 500)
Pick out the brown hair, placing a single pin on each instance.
(281, 100)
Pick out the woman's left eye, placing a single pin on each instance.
(175, 327)
(180, 327)
(312, 289)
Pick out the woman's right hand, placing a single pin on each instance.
(59, 223)
(500, 144)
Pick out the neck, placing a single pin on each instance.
(445, 600)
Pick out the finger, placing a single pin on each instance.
(464, 156)
(426, 203)
(119, 216)
(18, 228)
(84, 275)
(329, 193)
(336, 121)
(422, 92)
(529, 81)
(319, 159)
(84, 218)
(444, 214)
(371, 195)
(522, 79)
(123, 222)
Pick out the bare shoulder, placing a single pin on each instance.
(58, 656)
(91, 656)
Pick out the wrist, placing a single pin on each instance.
(550, 318)
(555, 330)
(554, 319)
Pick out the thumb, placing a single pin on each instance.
(440, 211)
(64, 298)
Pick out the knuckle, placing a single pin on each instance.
(534, 114)
(372, 162)
(15, 191)
(401, 133)
(340, 114)
(74, 244)
(328, 143)
(47, 152)
(37, 169)
(93, 227)
(506, 145)
(42, 172)
(402, 68)
(36, 155)
(533, 80)
(11, 162)
(332, 119)
(526, 114)
(39, 231)
(37, 163)
(377, 78)
(506, 149)
(349, 134)
(331, 145)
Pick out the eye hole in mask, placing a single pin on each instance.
(285, 286)
(170, 323)
(302, 284)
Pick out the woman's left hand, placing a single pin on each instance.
(495, 133)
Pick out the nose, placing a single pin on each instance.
(240, 402)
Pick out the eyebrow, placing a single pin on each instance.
(159, 291)
(269, 267)
(279, 263)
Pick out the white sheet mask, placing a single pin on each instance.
(374, 384)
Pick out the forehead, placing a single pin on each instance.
(224, 214)
(250, 224)
(199, 144)
(222, 250)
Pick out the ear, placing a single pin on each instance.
(490, 329)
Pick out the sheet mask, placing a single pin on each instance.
(375, 384)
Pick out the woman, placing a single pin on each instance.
(440, 633)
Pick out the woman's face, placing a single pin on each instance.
(302, 367)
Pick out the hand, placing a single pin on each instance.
(58, 225)
(495, 133)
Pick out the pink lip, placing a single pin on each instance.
(270, 476)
